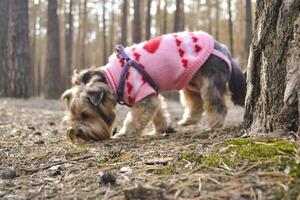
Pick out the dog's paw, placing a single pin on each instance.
(170, 130)
(186, 122)
(119, 135)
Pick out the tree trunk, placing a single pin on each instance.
(4, 16)
(137, 30)
(178, 20)
(19, 55)
(33, 49)
(83, 36)
(69, 42)
(124, 23)
(165, 20)
(230, 27)
(272, 102)
(112, 29)
(217, 22)
(208, 15)
(248, 26)
(148, 20)
(104, 33)
(52, 71)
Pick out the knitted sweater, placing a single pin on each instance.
(171, 60)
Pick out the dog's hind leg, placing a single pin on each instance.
(161, 120)
(140, 115)
(193, 104)
(213, 95)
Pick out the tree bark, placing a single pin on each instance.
(230, 27)
(248, 26)
(52, 71)
(137, 30)
(124, 23)
(20, 71)
(4, 18)
(148, 20)
(69, 43)
(272, 102)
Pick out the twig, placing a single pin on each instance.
(34, 170)
(158, 161)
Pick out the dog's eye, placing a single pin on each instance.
(84, 116)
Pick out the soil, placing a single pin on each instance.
(38, 162)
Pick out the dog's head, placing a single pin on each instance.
(89, 106)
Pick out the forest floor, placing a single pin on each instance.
(37, 162)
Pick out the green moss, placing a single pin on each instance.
(165, 170)
(105, 158)
(191, 157)
(258, 149)
(76, 150)
(268, 154)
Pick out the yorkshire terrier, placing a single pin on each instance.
(192, 62)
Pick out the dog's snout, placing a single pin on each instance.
(70, 131)
(79, 132)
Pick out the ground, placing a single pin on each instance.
(37, 162)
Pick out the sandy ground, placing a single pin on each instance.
(37, 162)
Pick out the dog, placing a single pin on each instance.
(192, 62)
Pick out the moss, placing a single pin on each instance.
(105, 158)
(76, 150)
(259, 149)
(191, 157)
(165, 170)
(269, 154)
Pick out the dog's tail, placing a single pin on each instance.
(237, 85)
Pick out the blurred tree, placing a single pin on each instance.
(52, 72)
(137, 29)
(179, 17)
(69, 41)
(217, 21)
(33, 47)
(230, 27)
(83, 25)
(148, 20)
(112, 28)
(208, 16)
(248, 26)
(124, 29)
(4, 16)
(20, 71)
(165, 19)
(104, 33)
(273, 76)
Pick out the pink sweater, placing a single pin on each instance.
(171, 60)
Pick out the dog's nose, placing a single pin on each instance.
(79, 132)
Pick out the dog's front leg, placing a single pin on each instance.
(140, 115)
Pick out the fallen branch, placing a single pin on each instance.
(34, 170)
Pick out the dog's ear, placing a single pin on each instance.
(76, 77)
(96, 97)
(66, 96)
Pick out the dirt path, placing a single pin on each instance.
(37, 162)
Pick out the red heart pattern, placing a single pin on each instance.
(152, 45)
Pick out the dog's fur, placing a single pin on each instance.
(90, 102)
